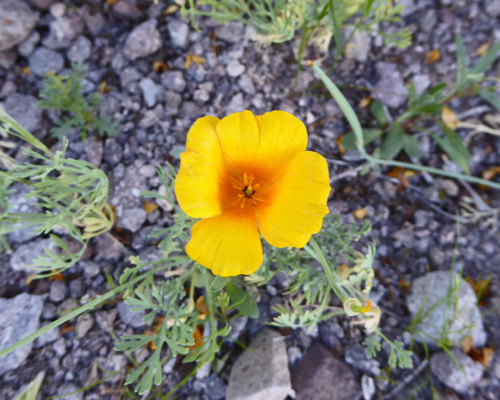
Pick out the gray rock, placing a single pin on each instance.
(234, 68)
(124, 9)
(367, 387)
(63, 31)
(236, 104)
(84, 325)
(448, 372)
(126, 188)
(23, 257)
(143, 41)
(76, 288)
(94, 150)
(215, 388)
(321, 376)
(19, 317)
(66, 388)
(27, 47)
(261, 372)
(24, 110)
(173, 101)
(150, 91)
(356, 357)
(133, 218)
(41, 4)
(493, 8)
(179, 32)
(246, 84)
(112, 152)
(432, 298)
(58, 291)
(359, 45)
(17, 20)
(109, 248)
(232, 33)
(7, 58)
(90, 268)
(390, 80)
(94, 20)
(406, 235)
(132, 318)
(201, 96)
(80, 50)
(129, 75)
(428, 20)
(44, 60)
(49, 337)
(422, 83)
(173, 80)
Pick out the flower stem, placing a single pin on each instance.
(320, 256)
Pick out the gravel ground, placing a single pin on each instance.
(415, 228)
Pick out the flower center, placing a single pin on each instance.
(247, 189)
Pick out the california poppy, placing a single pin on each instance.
(247, 174)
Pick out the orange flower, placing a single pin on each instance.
(247, 174)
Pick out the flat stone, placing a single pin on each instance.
(321, 376)
(356, 357)
(19, 317)
(17, 20)
(261, 372)
(150, 91)
(80, 50)
(179, 33)
(143, 41)
(432, 297)
(390, 80)
(7, 58)
(235, 68)
(58, 291)
(23, 109)
(94, 20)
(448, 372)
(173, 80)
(109, 248)
(44, 60)
(94, 150)
(133, 218)
(23, 257)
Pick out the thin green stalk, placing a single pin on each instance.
(358, 132)
(73, 314)
(329, 274)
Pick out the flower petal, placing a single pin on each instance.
(239, 138)
(282, 137)
(228, 244)
(197, 185)
(263, 144)
(296, 207)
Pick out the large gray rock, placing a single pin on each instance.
(17, 20)
(454, 376)
(19, 317)
(143, 41)
(261, 372)
(432, 302)
(390, 88)
(80, 49)
(132, 318)
(23, 109)
(321, 376)
(179, 33)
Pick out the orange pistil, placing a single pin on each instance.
(366, 308)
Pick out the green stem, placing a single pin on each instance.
(329, 273)
(73, 314)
